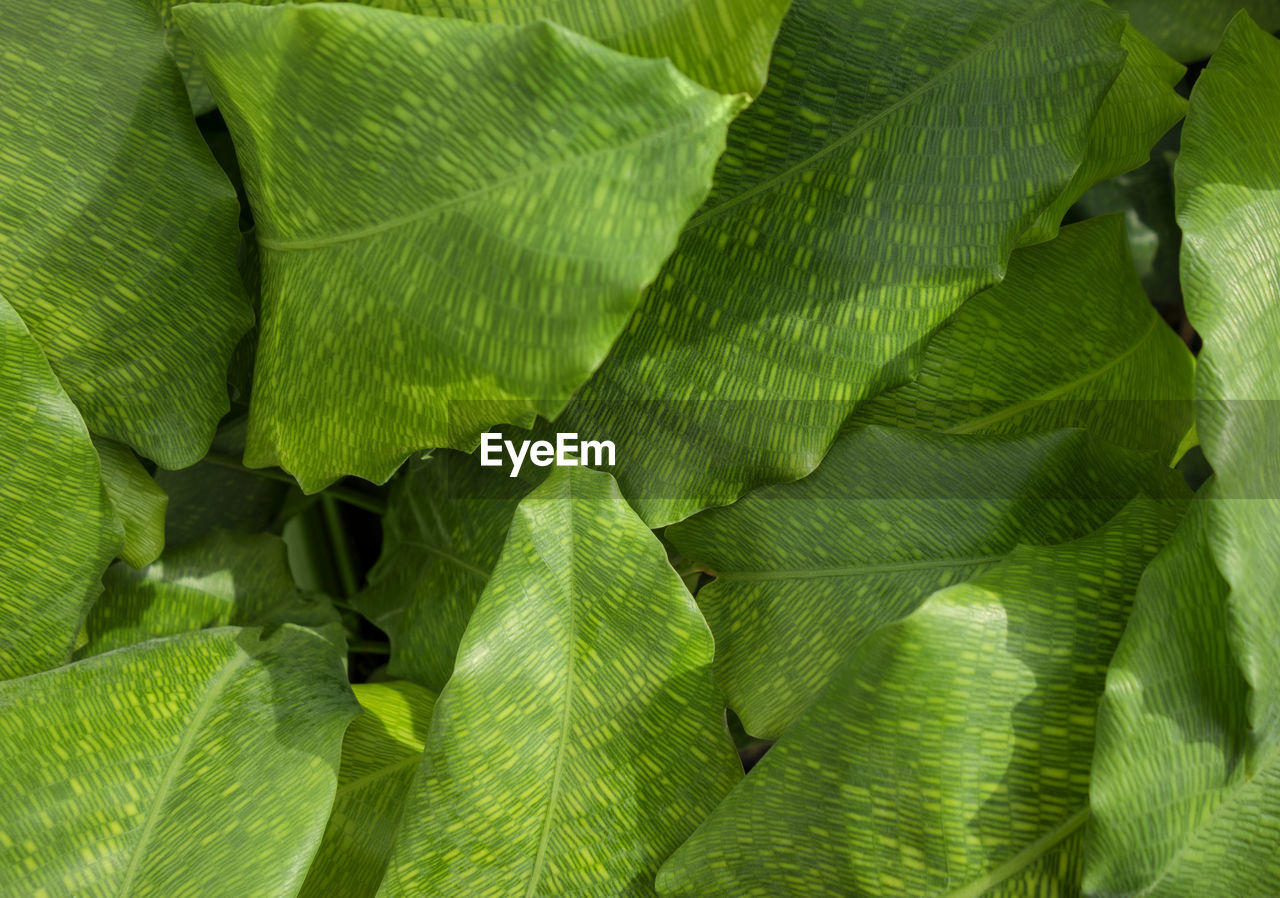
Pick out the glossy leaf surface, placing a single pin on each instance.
(861, 199)
(581, 736)
(1067, 339)
(380, 753)
(224, 579)
(58, 531)
(804, 571)
(950, 755)
(117, 229)
(485, 281)
(158, 770)
(1186, 782)
(136, 499)
(446, 523)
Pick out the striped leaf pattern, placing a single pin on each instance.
(1186, 781)
(486, 280)
(380, 753)
(581, 736)
(225, 579)
(950, 755)
(861, 199)
(1067, 339)
(804, 571)
(720, 44)
(202, 764)
(136, 499)
(446, 522)
(117, 229)
(57, 528)
(1190, 29)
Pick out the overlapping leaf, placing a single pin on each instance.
(1186, 780)
(804, 571)
(1068, 339)
(203, 764)
(581, 736)
(136, 499)
(862, 198)
(224, 579)
(1190, 29)
(117, 229)
(57, 529)
(724, 47)
(446, 522)
(950, 756)
(380, 753)
(480, 256)
(1140, 107)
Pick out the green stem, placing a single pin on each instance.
(371, 504)
(338, 543)
(364, 646)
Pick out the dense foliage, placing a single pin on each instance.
(929, 559)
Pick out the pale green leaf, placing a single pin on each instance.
(581, 737)
(1190, 29)
(950, 755)
(486, 279)
(724, 46)
(1067, 339)
(446, 521)
(137, 500)
(58, 532)
(202, 764)
(1186, 784)
(380, 753)
(224, 579)
(805, 570)
(863, 196)
(117, 229)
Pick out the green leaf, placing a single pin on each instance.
(724, 47)
(57, 529)
(224, 579)
(203, 764)
(861, 199)
(136, 499)
(446, 522)
(218, 492)
(380, 753)
(720, 45)
(1067, 339)
(117, 228)
(1190, 29)
(950, 755)
(805, 570)
(1140, 107)
(581, 736)
(1186, 784)
(487, 278)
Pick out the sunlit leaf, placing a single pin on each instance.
(581, 737)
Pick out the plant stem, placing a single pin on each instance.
(367, 647)
(338, 543)
(371, 504)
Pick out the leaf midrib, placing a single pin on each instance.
(1024, 858)
(213, 691)
(1017, 408)
(857, 569)
(432, 209)
(938, 78)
